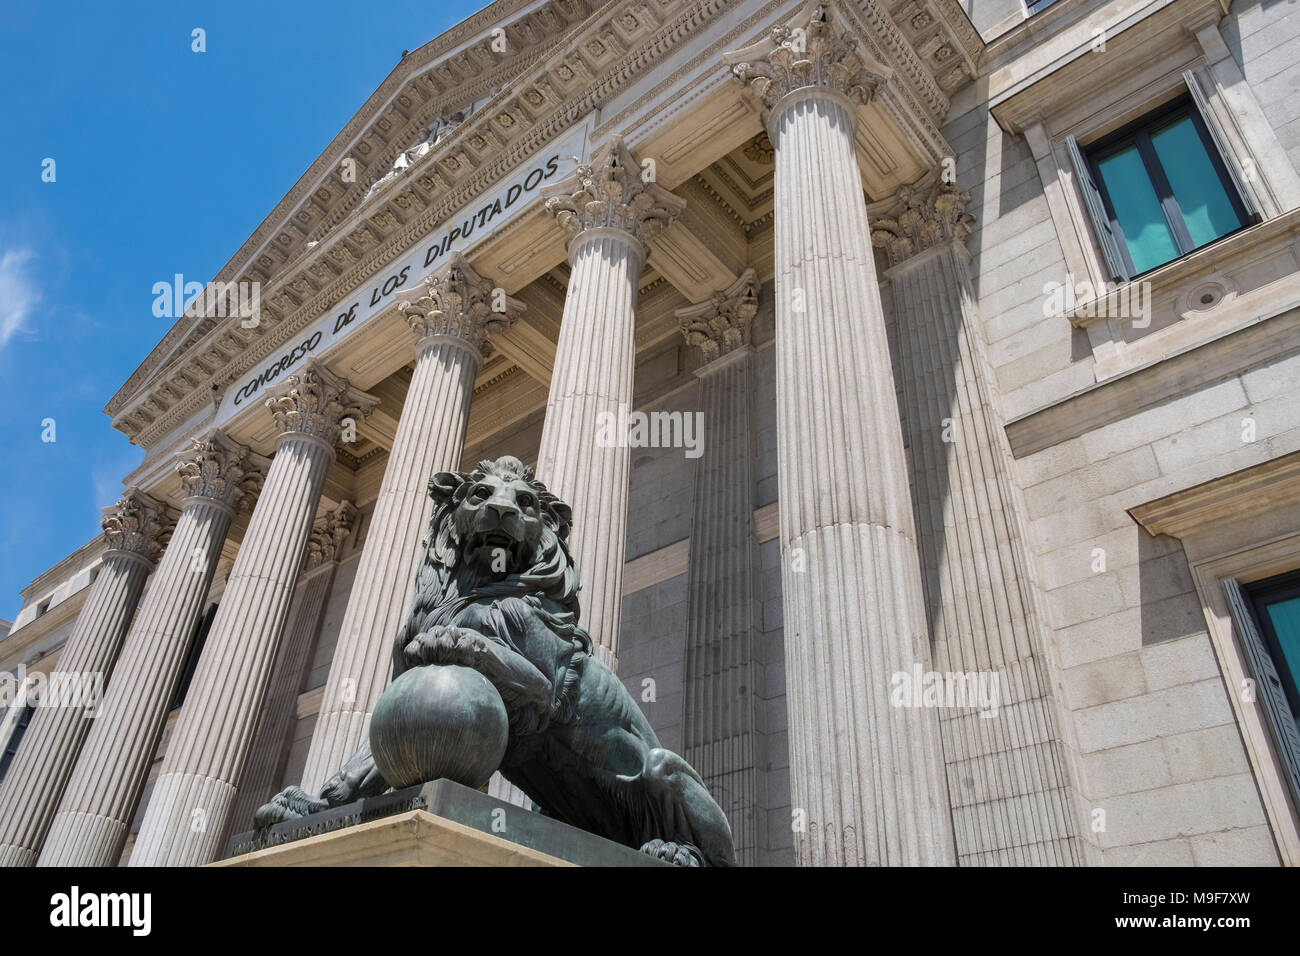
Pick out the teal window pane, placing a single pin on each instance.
(1204, 202)
(1138, 209)
(1285, 618)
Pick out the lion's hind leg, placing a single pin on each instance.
(680, 822)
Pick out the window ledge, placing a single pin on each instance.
(1162, 282)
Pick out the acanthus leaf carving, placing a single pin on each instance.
(610, 192)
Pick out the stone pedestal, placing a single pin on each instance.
(414, 838)
(92, 821)
(453, 319)
(436, 824)
(611, 214)
(866, 778)
(192, 799)
(30, 794)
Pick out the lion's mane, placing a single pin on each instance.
(446, 583)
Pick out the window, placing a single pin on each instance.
(1267, 618)
(1276, 603)
(15, 738)
(43, 607)
(1034, 6)
(1158, 189)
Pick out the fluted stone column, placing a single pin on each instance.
(271, 743)
(452, 318)
(867, 782)
(91, 825)
(135, 528)
(1006, 770)
(718, 719)
(610, 214)
(195, 791)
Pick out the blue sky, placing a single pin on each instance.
(166, 160)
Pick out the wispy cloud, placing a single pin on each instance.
(18, 294)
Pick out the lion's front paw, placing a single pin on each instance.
(289, 804)
(446, 645)
(678, 854)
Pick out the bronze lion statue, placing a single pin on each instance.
(497, 591)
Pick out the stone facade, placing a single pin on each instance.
(805, 261)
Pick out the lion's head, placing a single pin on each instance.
(497, 530)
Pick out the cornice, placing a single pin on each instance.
(1258, 489)
(534, 131)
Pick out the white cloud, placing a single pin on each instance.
(18, 294)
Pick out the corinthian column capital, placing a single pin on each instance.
(609, 193)
(313, 402)
(816, 50)
(721, 324)
(461, 305)
(138, 524)
(328, 532)
(919, 217)
(217, 467)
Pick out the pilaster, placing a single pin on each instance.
(1006, 770)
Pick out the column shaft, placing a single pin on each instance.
(195, 791)
(867, 774)
(430, 438)
(591, 391)
(91, 826)
(36, 779)
(270, 750)
(719, 724)
(1006, 772)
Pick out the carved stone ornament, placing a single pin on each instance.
(610, 192)
(919, 217)
(815, 49)
(217, 467)
(760, 150)
(313, 401)
(138, 523)
(460, 303)
(328, 533)
(722, 324)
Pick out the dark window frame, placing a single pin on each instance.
(1138, 133)
(1280, 587)
(16, 739)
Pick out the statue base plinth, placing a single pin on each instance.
(436, 824)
